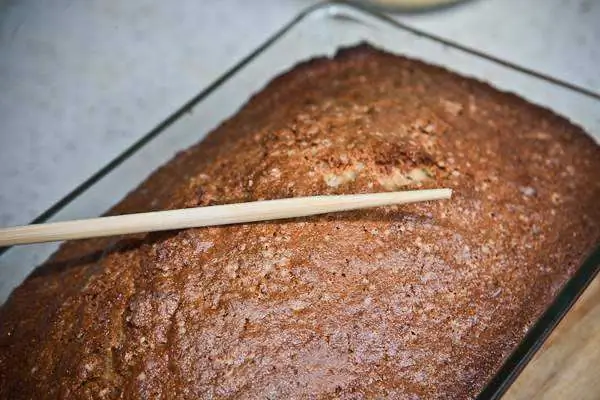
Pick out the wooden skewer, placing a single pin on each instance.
(210, 216)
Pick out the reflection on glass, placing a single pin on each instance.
(407, 4)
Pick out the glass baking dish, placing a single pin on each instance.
(319, 31)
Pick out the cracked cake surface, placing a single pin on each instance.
(409, 302)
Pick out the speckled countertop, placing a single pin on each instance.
(80, 81)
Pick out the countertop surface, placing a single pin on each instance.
(566, 367)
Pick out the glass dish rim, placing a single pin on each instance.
(549, 319)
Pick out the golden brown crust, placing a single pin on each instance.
(406, 302)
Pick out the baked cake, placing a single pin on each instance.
(416, 301)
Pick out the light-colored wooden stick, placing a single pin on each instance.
(210, 216)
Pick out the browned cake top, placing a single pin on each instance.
(418, 301)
